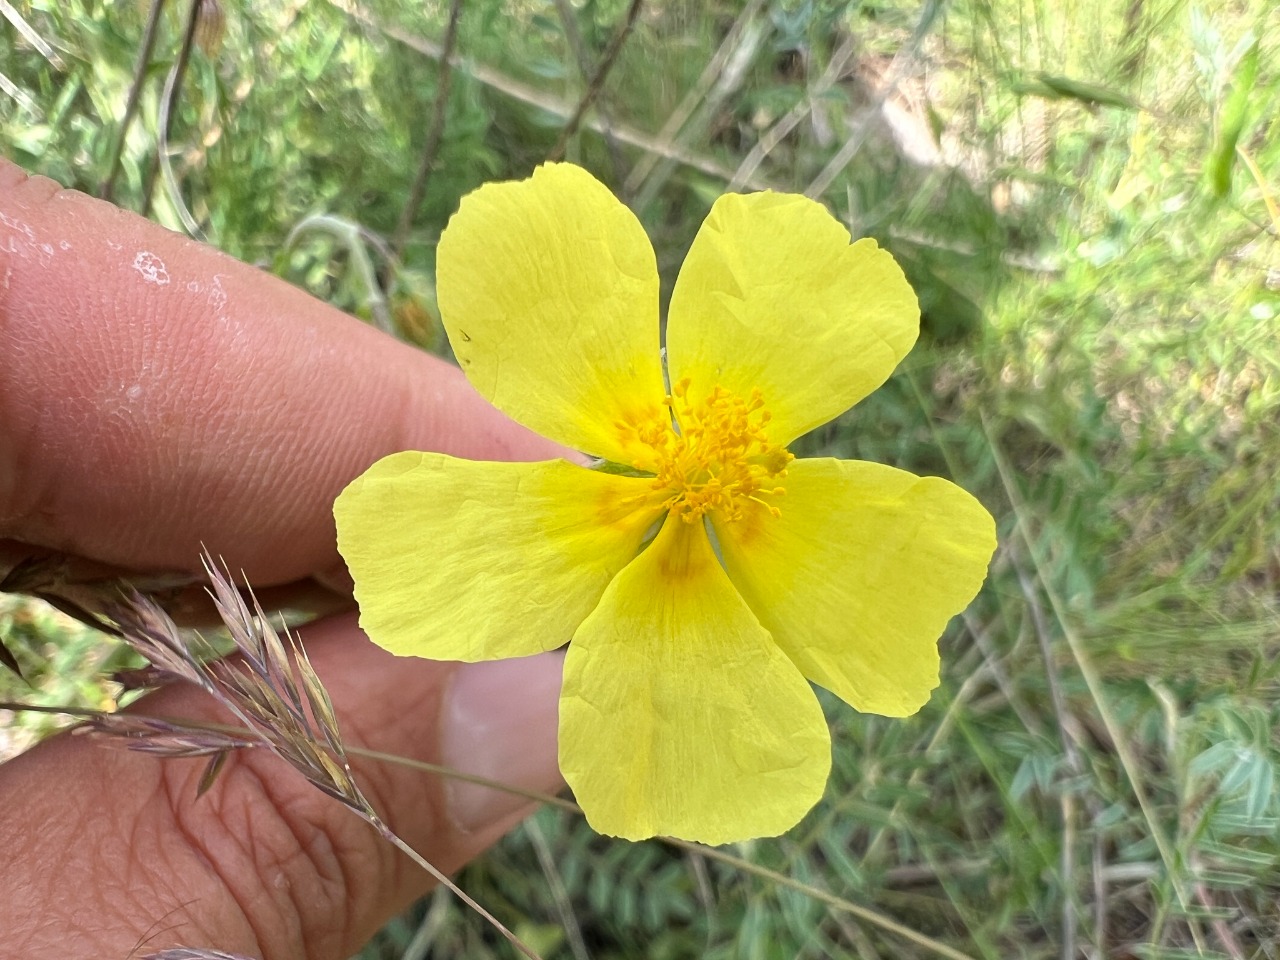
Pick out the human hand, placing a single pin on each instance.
(156, 395)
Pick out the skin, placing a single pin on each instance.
(156, 395)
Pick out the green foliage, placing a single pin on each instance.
(1098, 275)
(61, 664)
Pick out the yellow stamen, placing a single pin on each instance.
(715, 456)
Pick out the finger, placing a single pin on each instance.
(156, 395)
(104, 847)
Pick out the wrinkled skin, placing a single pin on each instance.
(156, 395)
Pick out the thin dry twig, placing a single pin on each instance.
(770, 139)
(168, 104)
(830, 899)
(107, 189)
(568, 23)
(559, 894)
(353, 236)
(431, 148)
(523, 92)
(860, 126)
(738, 47)
(20, 96)
(31, 35)
(230, 107)
(596, 85)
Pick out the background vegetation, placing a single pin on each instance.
(1084, 195)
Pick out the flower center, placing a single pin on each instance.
(716, 456)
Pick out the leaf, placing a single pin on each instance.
(29, 574)
(78, 613)
(1052, 87)
(1023, 780)
(1231, 120)
(9, 660)
(216, 763)
(1261, 782)
(1238, 775)
(1213, 759)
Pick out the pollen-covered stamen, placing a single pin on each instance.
(718, 456)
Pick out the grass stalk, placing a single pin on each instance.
(431, 146)
(163, 163)
(596, 86)
(145, 50)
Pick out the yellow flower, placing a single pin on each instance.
(704, 583)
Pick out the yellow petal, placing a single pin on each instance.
(459, 560)
(859, 576)
(772, 296)
(679, 715)
(548, 289)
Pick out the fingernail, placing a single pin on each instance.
(499, 721)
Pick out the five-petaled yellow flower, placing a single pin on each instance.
(702, 584)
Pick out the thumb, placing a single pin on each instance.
(107, 848)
